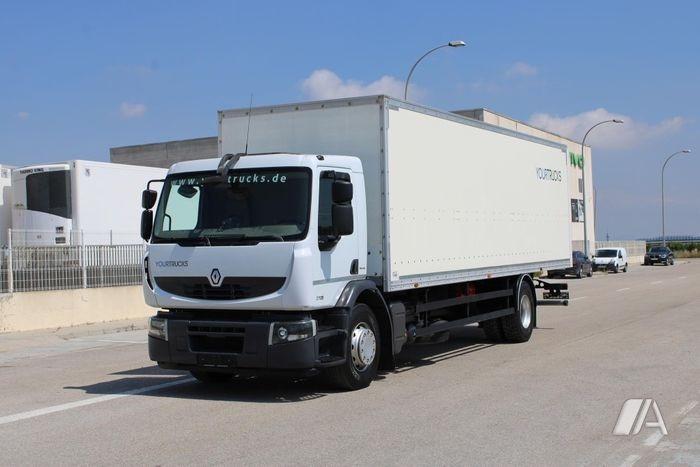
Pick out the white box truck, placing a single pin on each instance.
(78, 201)
(348, 229)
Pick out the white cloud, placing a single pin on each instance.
(620, 136)
(519, 69)
(132, 110)
(325, 84)
(23, 115)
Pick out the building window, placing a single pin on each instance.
(577, 210)
(580, 185)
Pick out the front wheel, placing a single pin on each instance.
(362, 350)
(579, 273)
(625, 268)
(672, 261)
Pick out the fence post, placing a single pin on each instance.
(83, 258)
(10, 278)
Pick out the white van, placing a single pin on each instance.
(610, 259)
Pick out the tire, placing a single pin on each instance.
(518, 326)
(492, 329)
(616, 269)
(672, 261)
(590, 273)
(579, 273)
(625, 268)
(211, 377)
(362, 348)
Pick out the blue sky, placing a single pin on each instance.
(79, 77)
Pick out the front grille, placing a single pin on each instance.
(231, 288)
(216, 338)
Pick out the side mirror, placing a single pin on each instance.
(146, 224)
(148, 199)
(342, 219)
(342, 191)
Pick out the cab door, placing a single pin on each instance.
(339, 252)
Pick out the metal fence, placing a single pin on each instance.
(28, 267)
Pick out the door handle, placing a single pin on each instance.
(354, 266)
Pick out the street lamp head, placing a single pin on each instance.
(617, 120)
(456, 43)
(686, 151)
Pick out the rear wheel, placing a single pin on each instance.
(518, 326)
(211, 377)
(362, 350)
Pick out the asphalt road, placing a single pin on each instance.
(72, 398)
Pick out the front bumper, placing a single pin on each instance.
(656, 259)
(243, 347)
(603, 267)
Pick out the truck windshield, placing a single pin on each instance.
(606, 253)
(245, 206)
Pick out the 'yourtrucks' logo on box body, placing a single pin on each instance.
(549, 174)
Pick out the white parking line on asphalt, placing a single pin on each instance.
(687, 408)
(623, 289)
(682, 277)
(631, 460)
(656, 282)
(577, 298)
(95, 400)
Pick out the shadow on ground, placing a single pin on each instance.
(280, 390)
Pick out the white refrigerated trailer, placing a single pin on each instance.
(396, 223)
(78, 201)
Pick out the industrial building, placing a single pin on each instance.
(165, 154)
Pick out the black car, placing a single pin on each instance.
(659, 254)
(580, 265)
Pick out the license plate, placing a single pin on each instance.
(219, 361)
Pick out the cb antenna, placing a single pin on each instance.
(247, 133)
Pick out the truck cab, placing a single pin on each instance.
(257, 249)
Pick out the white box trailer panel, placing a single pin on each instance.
(106, 200)
(484, 211)
(466, 201)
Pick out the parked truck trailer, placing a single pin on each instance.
(349, 229)
(78, 201)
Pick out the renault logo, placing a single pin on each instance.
(215, 278)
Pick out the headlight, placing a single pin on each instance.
(291, 331)
(158, 328)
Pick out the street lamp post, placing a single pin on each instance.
(583, 180)
(449, 44)
(663, 206)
